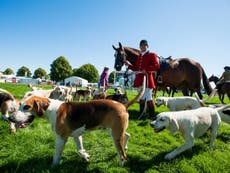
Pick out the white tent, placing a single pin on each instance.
(76, 80)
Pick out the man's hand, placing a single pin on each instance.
(144, 72)
(126, 62)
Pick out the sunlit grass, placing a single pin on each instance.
(31, 149)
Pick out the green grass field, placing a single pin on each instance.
(31, 149)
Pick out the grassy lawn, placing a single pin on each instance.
(31, 149)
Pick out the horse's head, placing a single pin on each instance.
(213, 78)
(120, 56)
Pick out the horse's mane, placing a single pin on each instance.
(132, 50)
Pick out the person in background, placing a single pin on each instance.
(225, 76)
(104, 79)
(147, 63)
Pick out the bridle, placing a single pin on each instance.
(120, 57)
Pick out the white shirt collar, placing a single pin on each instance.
(142, 53)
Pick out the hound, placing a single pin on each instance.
(118, 90)
(40, 92)
(86, 94)
(191, 123)
(122, 98)
(75, 118)
(224, 114)
(178, 103)
(184, 102)
(62, 93)
(8, 104)
(99, 94)
(33, 88)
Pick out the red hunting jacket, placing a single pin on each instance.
(148, 62)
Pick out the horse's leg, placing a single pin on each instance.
(173, 89)
(191, 93)
(228, 95)
(185, 92)
(155, 92)
(222, 99)
(168, 91)
(173, 92)
(163, 92)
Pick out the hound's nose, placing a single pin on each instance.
(152, 123)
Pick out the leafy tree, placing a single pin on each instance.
(40, 73)
(75, 71)
(24, 71)
(88, 72)
(111, 77)
(60, 69)
(8, 71)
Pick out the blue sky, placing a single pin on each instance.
(34, 33)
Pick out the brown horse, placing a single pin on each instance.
(222, 88)
(183, 73)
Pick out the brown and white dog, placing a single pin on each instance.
(85, 94)
(99, 93)
(75, 118)
(8, 104)
(122, 98)
(62, 93)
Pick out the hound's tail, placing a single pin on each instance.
(202, 102)
(222, 108)
(140, 94)
(6, 92)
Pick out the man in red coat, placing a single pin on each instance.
(147, 62)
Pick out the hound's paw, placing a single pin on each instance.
(169, 156)
(12, 130)
(85, 155)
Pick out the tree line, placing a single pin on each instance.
(59, 70)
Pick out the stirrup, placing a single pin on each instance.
(159, 79)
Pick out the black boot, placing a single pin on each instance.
(142, 106)
(151, 109)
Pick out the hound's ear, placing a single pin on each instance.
(165, 102)
(173, 125)
(41, 106)
(114, 48)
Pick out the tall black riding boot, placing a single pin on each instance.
(151, 109)
(142, 106)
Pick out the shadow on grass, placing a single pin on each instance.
(137, 165)
(134, 115)
(225, 137)
(36, 165)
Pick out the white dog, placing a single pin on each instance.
(40, 92)
(224, 114)
(184, 102)
(191, 123)
(178, 103)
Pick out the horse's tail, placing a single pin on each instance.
(206, 83)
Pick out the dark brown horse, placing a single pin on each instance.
(222, 88)
(183, 73)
